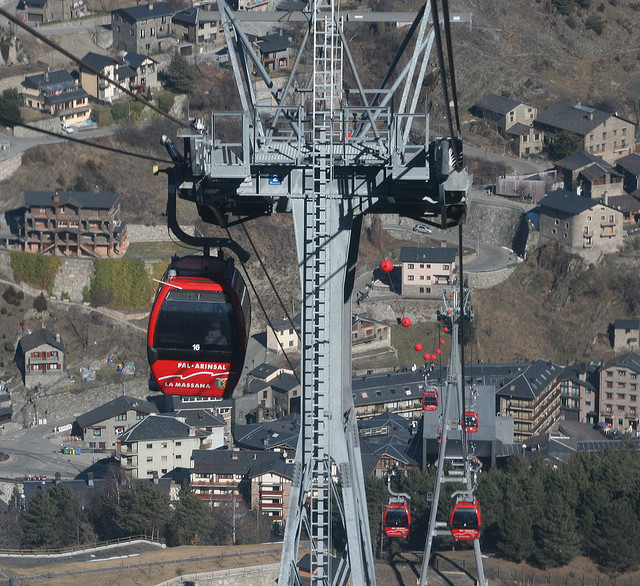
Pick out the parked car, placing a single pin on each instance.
(422, 228)
(66, 127)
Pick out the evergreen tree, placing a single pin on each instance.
(515, 534)
(192, 520)
(37, 522)
(566, 143)
(10, 534)
(181, 77)
(10, 102)
(63, 501)
(143, 509)
(104, 504)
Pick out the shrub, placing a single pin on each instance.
(9, 347)
(36, 269)
(595, 23)
(40, 303)
(121, 283)
(12, 297)
(165, 102)
(564, 7)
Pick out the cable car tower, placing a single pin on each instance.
(327, 150)
(457, 466)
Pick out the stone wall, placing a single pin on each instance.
(488, 279)
(9, 166)
(255, 575)
(50, 124)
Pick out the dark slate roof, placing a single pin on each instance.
(630, 361)
(116, 407)
(264, 370)
(98, 61)
(200, 418)
(398, 428)
(624, 203)
(256, 385)
(579, 160)
(135, 60)
(404, 385)
(95, 201)
(498, 104)
(563, 200)
(427, 254)
(391, 449)
(574, 373)
(273, 43)
(268, 435)
(196, 15)
(518, 129)
(574, 118)
(59, 77)
(630, 163)
(67, 96)
(626, 324)
(284, 382)
(156, 427)
(34, 3)
(598, 170)
(365, 318)
(279, 325)
(530, 383)
(36, 339)
(277, 466)
(229, 461)
(143, 11)
(126, 72)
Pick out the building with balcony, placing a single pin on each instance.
(581, 225)
(57, 93)
(270, 483)
(590, 176)
(73, 224)
(532, 398)
(156, 445)
(144, 29)
(101, 427)
(95, 86)
(619, 392)
(197, 25)
(579, 392)
(626, 335)
(41, 358)
(425, 270)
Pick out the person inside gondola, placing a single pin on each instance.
(215, 336)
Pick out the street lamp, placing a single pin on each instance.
(504, 152)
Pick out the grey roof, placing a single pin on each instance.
(391, 449)
(627, 202)
(135, 60)
(574, 373)
(579, 160)
(126, 72)
(229, 461)
(563, 200)
(518, 129)
(68, 96)
(365, 318)
(427, 254)
(273, 43)
(116, 407)
(598, 170)
(60, 77)
(33, 3)
(403, 385)
(269, 434)
(195, 15)
(263, 370)
(578, 119)
(630, 163)
(200, 418)
(530, 383)
(284, 382)
(98, 61)
(498, 104)
(95, 201)
(144, 11)
(36, 339)
(626, 324)
(279, 325)
(156, 427)
(395, 427)
(630, 361)
(276, 466)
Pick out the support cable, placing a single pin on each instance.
(452, 74)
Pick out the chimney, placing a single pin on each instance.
(90, 479)
(56, 196)
(46, 75)
(150, 6)
(590, 115)
(155, 477)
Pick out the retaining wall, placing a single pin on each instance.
(252, 576)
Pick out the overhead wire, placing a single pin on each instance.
(88, 67)
(10, 122)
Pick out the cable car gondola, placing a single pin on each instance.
(430, 400)
(465, 520)
(470, 421)
(396, 519)
(199, 328)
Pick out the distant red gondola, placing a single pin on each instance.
(430, 400)
(470, 422)
(198, 328)
(396, 519)
(465, 520)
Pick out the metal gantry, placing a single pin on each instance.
(452, 465)
(328, 154)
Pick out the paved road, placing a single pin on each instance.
(520, 166)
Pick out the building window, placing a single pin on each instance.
(121, 417)
(149, 446)
(149, 458)
(139, 415)
(163, 458)
(163, 445)
(410, 277)
(142, 33)
(410, 266)
(178, 444)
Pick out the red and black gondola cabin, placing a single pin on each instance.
(465, 520)
(430, 400)
(396, 519)
(199, 328)
(470, 422)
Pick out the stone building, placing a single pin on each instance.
(41, 357)
(619, 385)
(425, 270)
(144, 29)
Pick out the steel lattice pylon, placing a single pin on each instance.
(328, 155)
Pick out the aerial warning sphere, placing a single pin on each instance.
(427, 356)
(418, 347)
(406, 322)
(449, 311)
(446, 329)
(442, 341)
(386, 266)
(450, 294)
(438, 351)
(434, 357)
